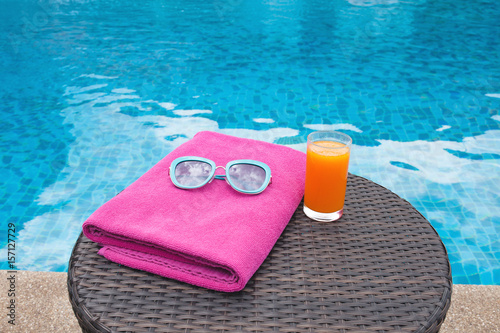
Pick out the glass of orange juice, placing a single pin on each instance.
(326, 174)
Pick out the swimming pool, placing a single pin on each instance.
(94, 93)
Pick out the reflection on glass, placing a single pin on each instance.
(247, 177)
(192, 173)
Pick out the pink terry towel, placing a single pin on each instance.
(213, 236)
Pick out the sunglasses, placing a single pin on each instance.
(245, 176)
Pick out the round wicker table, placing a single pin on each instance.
(380, 268)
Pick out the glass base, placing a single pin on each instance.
(322, 217)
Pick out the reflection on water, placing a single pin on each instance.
(112, 148)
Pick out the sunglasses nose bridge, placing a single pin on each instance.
(219, 176)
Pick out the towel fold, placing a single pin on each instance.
(213, 236)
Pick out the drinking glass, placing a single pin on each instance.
(326, 174)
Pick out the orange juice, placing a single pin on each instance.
(326, 176)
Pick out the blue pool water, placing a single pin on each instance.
(95, 92)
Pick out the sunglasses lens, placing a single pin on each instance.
(192, 173)
(247, 177)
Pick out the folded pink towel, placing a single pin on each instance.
(213, 236)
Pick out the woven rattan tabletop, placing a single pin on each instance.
(380, 268)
